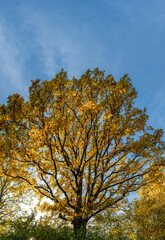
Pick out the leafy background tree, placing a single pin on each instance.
(81, 143)
(148, 211)
(11, 198)
(112, 223)
(6, 199)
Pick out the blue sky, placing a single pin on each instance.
(39, 37)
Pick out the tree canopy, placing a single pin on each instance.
(80, 142)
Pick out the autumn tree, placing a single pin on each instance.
(148, 211)
(81, 143)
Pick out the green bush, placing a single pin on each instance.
(19, 229)
(28, 228)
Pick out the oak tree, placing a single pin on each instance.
(80, 142)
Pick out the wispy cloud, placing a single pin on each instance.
(11, 61)
(64, 43)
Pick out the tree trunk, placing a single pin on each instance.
(79, 226)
